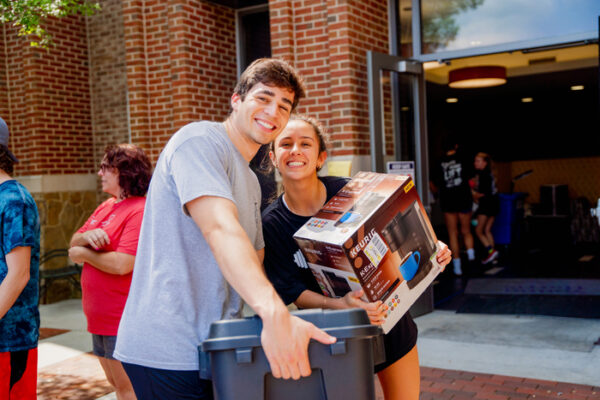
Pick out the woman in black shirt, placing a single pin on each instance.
(298, 153)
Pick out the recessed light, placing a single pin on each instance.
(405, 108)
(577, 87)
(451, 100)
(527, 99)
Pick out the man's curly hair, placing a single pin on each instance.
(271, 72)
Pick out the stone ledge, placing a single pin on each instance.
(59, 183)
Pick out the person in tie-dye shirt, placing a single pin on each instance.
(19, 270)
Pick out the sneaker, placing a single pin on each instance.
(491, 257)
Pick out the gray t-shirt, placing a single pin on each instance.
(177, 289)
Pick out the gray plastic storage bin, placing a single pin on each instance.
(341, 371)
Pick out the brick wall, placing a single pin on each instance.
(181, 66)
(108, 77)
(327, 42)
(47, 92)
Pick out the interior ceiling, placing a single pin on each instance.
(236, 4)
(519, 63)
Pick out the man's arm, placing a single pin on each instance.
(284, 337)
(112, 262)
(16, 278)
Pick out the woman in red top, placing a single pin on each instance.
(106, 245)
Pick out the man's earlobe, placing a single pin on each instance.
(235, 98)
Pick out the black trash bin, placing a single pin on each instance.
(341, 371)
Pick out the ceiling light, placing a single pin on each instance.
(527, 99)
(451, 100)
(477, 77)
(577, 87)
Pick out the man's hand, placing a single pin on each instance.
(375, 310)
(285, 340)
(96, 238)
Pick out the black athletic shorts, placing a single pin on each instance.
(399, 341)
(456, 200)
(489, 205)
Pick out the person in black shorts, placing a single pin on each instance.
(298, 153)
(485, 195)
(451, 183)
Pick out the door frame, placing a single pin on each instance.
(377, 62)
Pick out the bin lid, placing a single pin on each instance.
(245, 332)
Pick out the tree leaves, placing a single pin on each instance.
(29, 15)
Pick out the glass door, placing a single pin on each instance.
(398, 127)
(397, 116)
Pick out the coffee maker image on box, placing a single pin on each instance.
(407, 234)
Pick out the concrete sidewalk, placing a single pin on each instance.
(494, 357)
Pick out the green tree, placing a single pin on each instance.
(29, 15)
(439, 26)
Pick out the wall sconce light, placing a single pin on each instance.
(477, 77)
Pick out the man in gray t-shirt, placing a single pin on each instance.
(201, 247)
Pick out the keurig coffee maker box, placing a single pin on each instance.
(373, 234)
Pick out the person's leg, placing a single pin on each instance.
(153, 383)
(402, 379)
(480, 230)
(492, 254)
(451, 221)
(116, 376)
(465, 229)
(488, 230)
(103, 348)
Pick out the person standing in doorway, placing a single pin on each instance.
(451, 183)
(201, 247)
(19, 274)
(485, 195)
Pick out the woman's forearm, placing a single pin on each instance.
(112, 262)
(310, 299)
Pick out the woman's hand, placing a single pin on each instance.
(375, 310)
(76, 254)
(96, 238)
(444, 255)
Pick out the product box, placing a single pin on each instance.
(233, 355)
(373, 234)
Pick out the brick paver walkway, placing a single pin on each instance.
(443, 384)
(82, 378)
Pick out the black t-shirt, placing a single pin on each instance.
(485, 183)
(284, 263)
(452, 180)
(289, 273)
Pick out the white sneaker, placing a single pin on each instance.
(457, 270)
